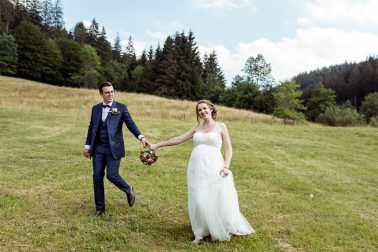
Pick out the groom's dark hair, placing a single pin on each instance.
(104, 84)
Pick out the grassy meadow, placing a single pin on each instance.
(302, 187)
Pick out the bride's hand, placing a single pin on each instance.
(224, 172)
(153, 147)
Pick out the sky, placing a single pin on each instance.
(294, 36)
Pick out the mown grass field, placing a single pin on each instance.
(302, 187)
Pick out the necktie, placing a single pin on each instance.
(106, 106)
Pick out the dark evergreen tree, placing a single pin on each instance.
(195, 68)
(117, 49)
(34, 9)
(213, 79)
(8, 54)
(182, 56)
(165, 70)
(103, 47)
(72, 62)
(93, 33)
(80, 33)
(47, 15)
(129, 60)
(150, 54)
(39, 58)
(7, 13)
(57, 16)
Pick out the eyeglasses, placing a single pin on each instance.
(108, 92)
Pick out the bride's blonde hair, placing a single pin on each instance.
(210, 105)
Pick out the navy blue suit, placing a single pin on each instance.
(107, 148)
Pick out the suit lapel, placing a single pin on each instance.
(98, 113)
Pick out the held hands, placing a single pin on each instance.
(145, 142)
(153, 147)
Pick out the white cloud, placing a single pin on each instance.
(87, 23)
(309, 49)
(224, 4)
(160, 36)
(357, 12)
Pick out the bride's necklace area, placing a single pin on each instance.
(208, 127)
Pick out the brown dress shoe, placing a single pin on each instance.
(131, 196)
(98, 213)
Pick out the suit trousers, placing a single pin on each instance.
(103, 159)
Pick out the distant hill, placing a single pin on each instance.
(351, 81)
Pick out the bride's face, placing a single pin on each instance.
(204, 111)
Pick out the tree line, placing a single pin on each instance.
(34, 44)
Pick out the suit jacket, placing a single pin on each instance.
(114, 125)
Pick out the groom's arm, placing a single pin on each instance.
(87, 147)
(130, 124)
(133, 128)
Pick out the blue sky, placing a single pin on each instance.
(293, 35)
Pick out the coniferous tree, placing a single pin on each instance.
(39, 58)
(150, 54)
(20, 13)
(117, 49)
(8, 54)
(34, 9)
(129, 60)
(7, 13)
(80, 33)
(47, 15)
(183, 87)
(53, 60)
(93, 33)
(104, 49)
(72, 62)
(213, 78)
(166, 68)
(57, 15)
(31, 47)
(196, 68)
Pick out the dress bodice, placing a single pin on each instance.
(210, 138)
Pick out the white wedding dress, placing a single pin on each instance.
(213, 201)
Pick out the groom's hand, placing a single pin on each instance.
(145, 142)
(86, 153)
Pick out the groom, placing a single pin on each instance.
(104, 144)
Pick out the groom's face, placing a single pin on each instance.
(107, 94)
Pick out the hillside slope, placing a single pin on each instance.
(302, 187)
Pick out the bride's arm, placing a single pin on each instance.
(227, 146)
(176, 140)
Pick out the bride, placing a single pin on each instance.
(212, 199)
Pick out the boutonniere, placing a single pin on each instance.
(114, 111)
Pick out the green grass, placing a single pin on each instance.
(302, 187)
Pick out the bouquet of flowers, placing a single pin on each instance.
(148, 157)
